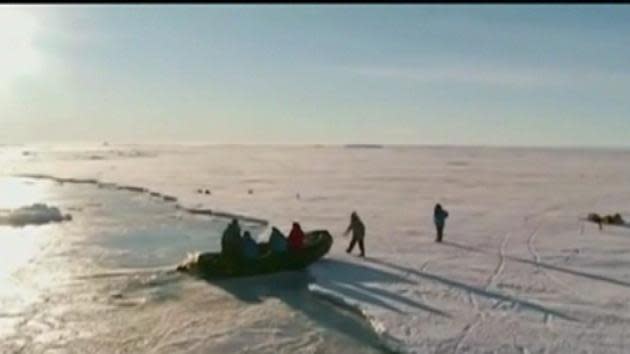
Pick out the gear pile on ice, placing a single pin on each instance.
(606, 219)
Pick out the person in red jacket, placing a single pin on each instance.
(296, 237)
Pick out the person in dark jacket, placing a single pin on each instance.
(231, 241)
(439, 218)
(296, 237)
(358, 233)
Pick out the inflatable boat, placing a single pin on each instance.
(214, 265)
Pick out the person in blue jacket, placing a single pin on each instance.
(250, 247)
(277, 241)
(439, 218)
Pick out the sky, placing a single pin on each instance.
(526, 75)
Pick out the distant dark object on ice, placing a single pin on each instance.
(363, 146)
(606, 219)
(207, 191)
(250, 191)
(168, 198)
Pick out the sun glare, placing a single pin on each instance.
(18, 245)
(16, 193)
(18, 55)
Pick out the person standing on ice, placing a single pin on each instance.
(296, 237)
(358, 233)
(439, 218)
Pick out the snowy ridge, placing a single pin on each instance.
(387, 340)
(142, 190)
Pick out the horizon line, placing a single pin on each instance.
(103, 143)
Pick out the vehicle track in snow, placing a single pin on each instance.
(466, 332)
(425, 266)
(530, 240)
(498, 270)
(481, 315)
(531, 247)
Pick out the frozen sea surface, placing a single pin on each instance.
(519, 272)
(104, 282)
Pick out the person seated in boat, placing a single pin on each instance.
(296, 237)
(250, 247)
(231, 242)
(277, 241)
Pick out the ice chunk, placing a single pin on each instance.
(36, 214)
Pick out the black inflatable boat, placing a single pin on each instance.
(213, 265)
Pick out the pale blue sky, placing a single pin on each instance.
(412, 74)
